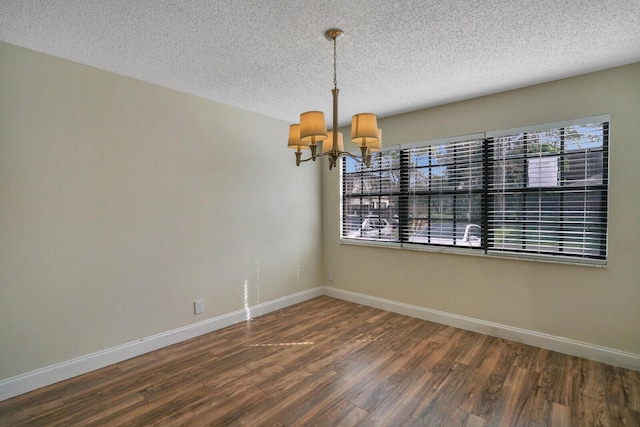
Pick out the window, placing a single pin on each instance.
(443, 193)
(371, 198)
(536, 192)
(548, 191)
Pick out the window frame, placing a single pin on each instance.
(402, 241)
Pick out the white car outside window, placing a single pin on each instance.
(442, 234)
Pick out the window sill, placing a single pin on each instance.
(550, 259)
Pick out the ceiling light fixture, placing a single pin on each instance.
(312, 129)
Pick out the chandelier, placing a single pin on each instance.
(312, 129)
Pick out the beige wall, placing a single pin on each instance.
(599, 306)
(122, 202)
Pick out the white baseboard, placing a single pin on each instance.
(55, 373)
(537, 339)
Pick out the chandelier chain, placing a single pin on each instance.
(335, 60)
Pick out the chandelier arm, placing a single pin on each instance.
(365, 157)
(308, 159)
(329, 153)
(335, 156)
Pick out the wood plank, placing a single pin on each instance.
(396, 407)
(168, 407)
(555, 377)
(308, 411)
(457, 418)
(560, 415)
(491, 397)
(473, 391)
(272, 412)
(378, 387)
(443, 397)
(510, 407)
(22, 414)
(341, 414)
(589, 402)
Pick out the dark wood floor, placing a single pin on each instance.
(330, 362)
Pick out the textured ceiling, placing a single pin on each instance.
(271, 56)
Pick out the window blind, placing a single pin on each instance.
(442, 198)
(547, 191)
(370, 198)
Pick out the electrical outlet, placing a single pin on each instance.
(331, 275)
(199, 306)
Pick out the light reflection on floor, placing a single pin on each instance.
(364, 340)
(282, 344)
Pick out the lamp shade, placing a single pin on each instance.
(327, 144)
(364, 129)
(294, 138)
(313, 128)
(377, 145)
